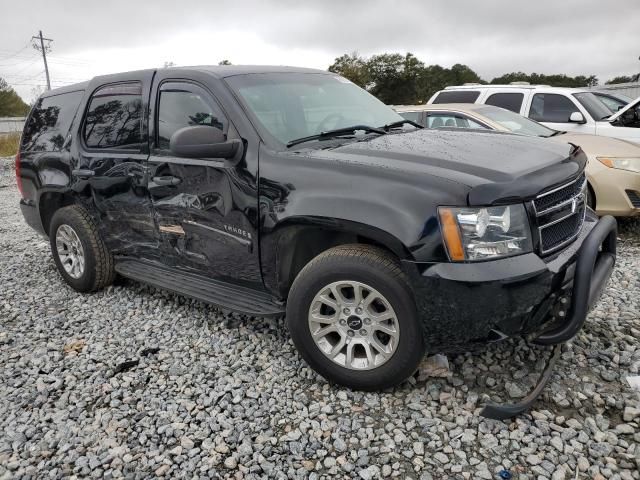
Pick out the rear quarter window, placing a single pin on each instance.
(49, 122)
(457, 96)
(510, 101)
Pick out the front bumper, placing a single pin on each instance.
(616, 191)
(521, 293)
(462, 303)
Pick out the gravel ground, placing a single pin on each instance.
(136, 382)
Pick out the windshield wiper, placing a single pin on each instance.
(399, 123)
(336, 133)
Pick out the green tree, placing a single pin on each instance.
(624, 79)
(353, 67)
(395, 79)
(400, 79)
(555, 80)
(11, 105)
(224, 62)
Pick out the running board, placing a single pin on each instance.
(222, 294)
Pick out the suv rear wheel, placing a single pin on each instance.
(81, 256)
(352, 317)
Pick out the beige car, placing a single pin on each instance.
(613, 171)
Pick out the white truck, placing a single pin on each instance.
(569, 109)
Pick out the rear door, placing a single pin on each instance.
(112, 153)
(203, 207)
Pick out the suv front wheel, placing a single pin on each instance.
(352, 317)
(81, 256)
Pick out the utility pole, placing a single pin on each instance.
(44, 50)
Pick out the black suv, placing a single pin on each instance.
(273, 189)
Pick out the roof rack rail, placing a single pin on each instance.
(519, 83)
(468, 84)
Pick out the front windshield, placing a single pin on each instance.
(515, 123)
(597, 109)
(613, 103)
(289, 106)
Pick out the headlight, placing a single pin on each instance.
(622, 163)
(481, 233)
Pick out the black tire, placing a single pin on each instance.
(381, 271)
(98, 267)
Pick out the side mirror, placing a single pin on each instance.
(577, 117)
(201, 141)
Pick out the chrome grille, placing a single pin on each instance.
(560, 213)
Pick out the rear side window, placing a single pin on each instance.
(510, 101)
(457, 96)
(114, 117)
(551, 107)
(49, 122)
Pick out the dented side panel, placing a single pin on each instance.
(205, 209)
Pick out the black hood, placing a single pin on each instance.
(499, 167)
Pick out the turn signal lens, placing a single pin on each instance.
(451, 234)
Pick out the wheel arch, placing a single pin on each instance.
(296, 241)
(50, 202)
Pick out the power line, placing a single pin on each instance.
(41, 48)
(14, 54)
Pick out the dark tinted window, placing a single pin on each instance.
(457, 96)
(114, 117)
(510, 101)
(49, 122)
(182, 105)
(413, 116)
(551, 107)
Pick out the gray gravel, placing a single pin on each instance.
(136, 382)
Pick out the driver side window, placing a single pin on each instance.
(183, 105)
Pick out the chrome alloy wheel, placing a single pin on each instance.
(70, 251)
(354, 325)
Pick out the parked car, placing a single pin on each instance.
(260, 189)
(570, 109)
(613, 170)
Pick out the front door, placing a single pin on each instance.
(553, 110)
(203, 207)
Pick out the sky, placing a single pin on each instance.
(574, 37)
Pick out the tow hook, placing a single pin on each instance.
(506, 410)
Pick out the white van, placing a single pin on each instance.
(569, 109)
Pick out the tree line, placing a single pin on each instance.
(399, 79)
(11, 105)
